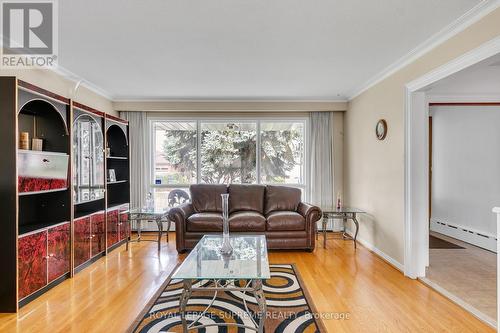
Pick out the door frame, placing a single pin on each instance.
(416, 187)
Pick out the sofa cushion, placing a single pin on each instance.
(246, 197)
(281, 198)
(206, 197)
(204, 222)
(285, 221)
(247, 221)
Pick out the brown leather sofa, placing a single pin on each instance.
(276, 211)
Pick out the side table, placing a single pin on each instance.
(142, 214)
(344, 213)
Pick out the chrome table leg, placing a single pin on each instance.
(186, 294)
(323, 226)
(160, 232)
(261, 302)
(357, 228)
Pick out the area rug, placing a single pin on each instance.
(438, 243)
(289, 308)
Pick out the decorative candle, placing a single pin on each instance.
(37, 144)
(24, 140)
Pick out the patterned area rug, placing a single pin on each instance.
(289, 308)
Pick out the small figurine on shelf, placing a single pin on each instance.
(339, 201)
(36, 144)
(111, 175)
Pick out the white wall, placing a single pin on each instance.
(466, 166)
(374, 171)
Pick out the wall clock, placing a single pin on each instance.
(381, 129)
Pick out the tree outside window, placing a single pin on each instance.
(228, 152)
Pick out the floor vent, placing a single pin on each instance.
(480, 239)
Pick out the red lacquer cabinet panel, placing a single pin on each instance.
(124, 226)
(82, 240)
(98, 236)
(59, 251)
(32, 260)
(112, 227)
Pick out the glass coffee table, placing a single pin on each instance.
(248, 263)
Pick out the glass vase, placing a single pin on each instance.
(226, 248)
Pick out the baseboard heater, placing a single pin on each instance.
(482, 240)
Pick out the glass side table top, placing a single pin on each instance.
(156, 211)
(341, 210)
(248, 260)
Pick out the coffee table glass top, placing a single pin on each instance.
(248, 260)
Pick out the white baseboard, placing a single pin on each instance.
(390, 260)
(468, 235)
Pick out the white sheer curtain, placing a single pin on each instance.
(321, 159)
(138, 128)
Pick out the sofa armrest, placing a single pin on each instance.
(310, 212)
(179, 216)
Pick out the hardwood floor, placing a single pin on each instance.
(107, 296)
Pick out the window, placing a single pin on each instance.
(174, 160)
(225, 151)
(175, 152)
(282, 152)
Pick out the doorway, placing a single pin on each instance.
(464, 185)
(418, 207)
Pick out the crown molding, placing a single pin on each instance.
(79, 81)
(225, 100)
(484, 51)
(463, 22)
(230, 106)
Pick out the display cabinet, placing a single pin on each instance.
(117, 182)
(90, 237)
(44, 257)
(88, 161)
(112, 226)
(82, 240)
(117, 163)
(54, 193)
(123, 224)
(59, 251)
(32, 257)
(98, 233)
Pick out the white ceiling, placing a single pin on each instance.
(243, 49)
(481, 80)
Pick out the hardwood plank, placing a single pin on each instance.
(107, 296)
